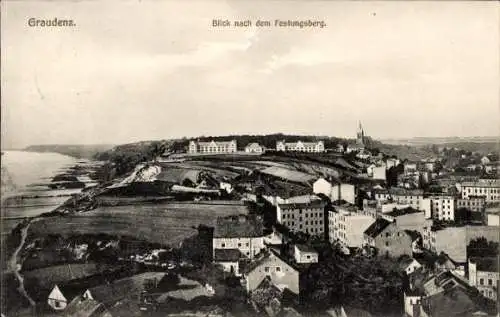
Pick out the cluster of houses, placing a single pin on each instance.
(392, 222)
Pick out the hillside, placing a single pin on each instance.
(86, 151)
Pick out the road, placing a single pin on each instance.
(14, 267)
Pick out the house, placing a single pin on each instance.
(388, 238)
(347, 226)
(484, 275)
(444, 263)
(227, 186)
(300, 146)
(305, 254)
(212, 147)
(305, 217)
(254, 148)
(244, 233)
(412, 197)
(408, 265)
(228, 259)
(444, 294)
(347, 311)
(61, 295)
(270, 264)
(485, 160)
(410, 167)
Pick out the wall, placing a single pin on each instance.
(305, 257)
(413, 221)
(395, 244)
(347, 193)
(231, 267)
(355, 228)
(322, 186)
(247, 246)
(493, 220)
(452, 241)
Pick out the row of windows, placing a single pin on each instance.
(483, 190)
(490, 281)
(311, 215)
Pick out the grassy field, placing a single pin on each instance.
(49, 276)
(167, 224)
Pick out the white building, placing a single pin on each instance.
(254, 148)
(443, 207)
(241, 233)
(488, 188)
(305, 217)
(378, 172)
(300, 146)
(483, 274)
(347, 226)
(305, 254)
(59, 298)
(212, 147)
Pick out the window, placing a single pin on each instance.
(387, 243)
(57, 304)
(247, 244)
(239, 245)
(481, 281)
(387, 234)
(490, 282)
(223, 245)
(278, 269)
(308, 256)
(266, 269)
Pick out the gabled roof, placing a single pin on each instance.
(377, 227)
(227, 255)
(266, 255)
(84, 308)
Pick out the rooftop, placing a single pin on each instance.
(305, 248)
(311, 204)
(401, 212)
(238, 227)
(227, 255)
(377, 227)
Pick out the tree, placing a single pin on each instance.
(481, 247)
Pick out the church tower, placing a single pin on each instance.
(360, 137)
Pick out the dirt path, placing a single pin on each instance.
(14, 267)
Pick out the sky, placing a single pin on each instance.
(144, 70)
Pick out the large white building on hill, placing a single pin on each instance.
(299, 146)
(212, 147)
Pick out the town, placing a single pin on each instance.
(305, 228)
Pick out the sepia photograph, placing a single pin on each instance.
(237, 158)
